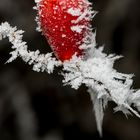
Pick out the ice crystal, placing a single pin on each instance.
(104, 83)
(38, 28)
(74, 12)
(95, 70)
(40, 62)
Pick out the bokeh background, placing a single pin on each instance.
(36, 106)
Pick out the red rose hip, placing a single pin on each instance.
(65, 24)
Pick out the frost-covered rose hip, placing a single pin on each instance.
(65, 23)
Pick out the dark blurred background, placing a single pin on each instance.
(36, 106)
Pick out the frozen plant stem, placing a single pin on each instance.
(41, 62)
(95, 70)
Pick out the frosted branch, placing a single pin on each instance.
(104, 83)
(94, 69)
(40, 62)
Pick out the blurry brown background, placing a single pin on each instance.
(36, 106)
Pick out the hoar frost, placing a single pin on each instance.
(95, 70)
(74, 12)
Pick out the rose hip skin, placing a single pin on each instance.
(57, 23)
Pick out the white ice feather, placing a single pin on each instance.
(40, 62)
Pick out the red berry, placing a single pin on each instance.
(57, 23)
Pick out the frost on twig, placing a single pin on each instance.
(40, 62)
(94, 69)
(103, 81)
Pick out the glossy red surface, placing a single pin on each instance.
(56, 23)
